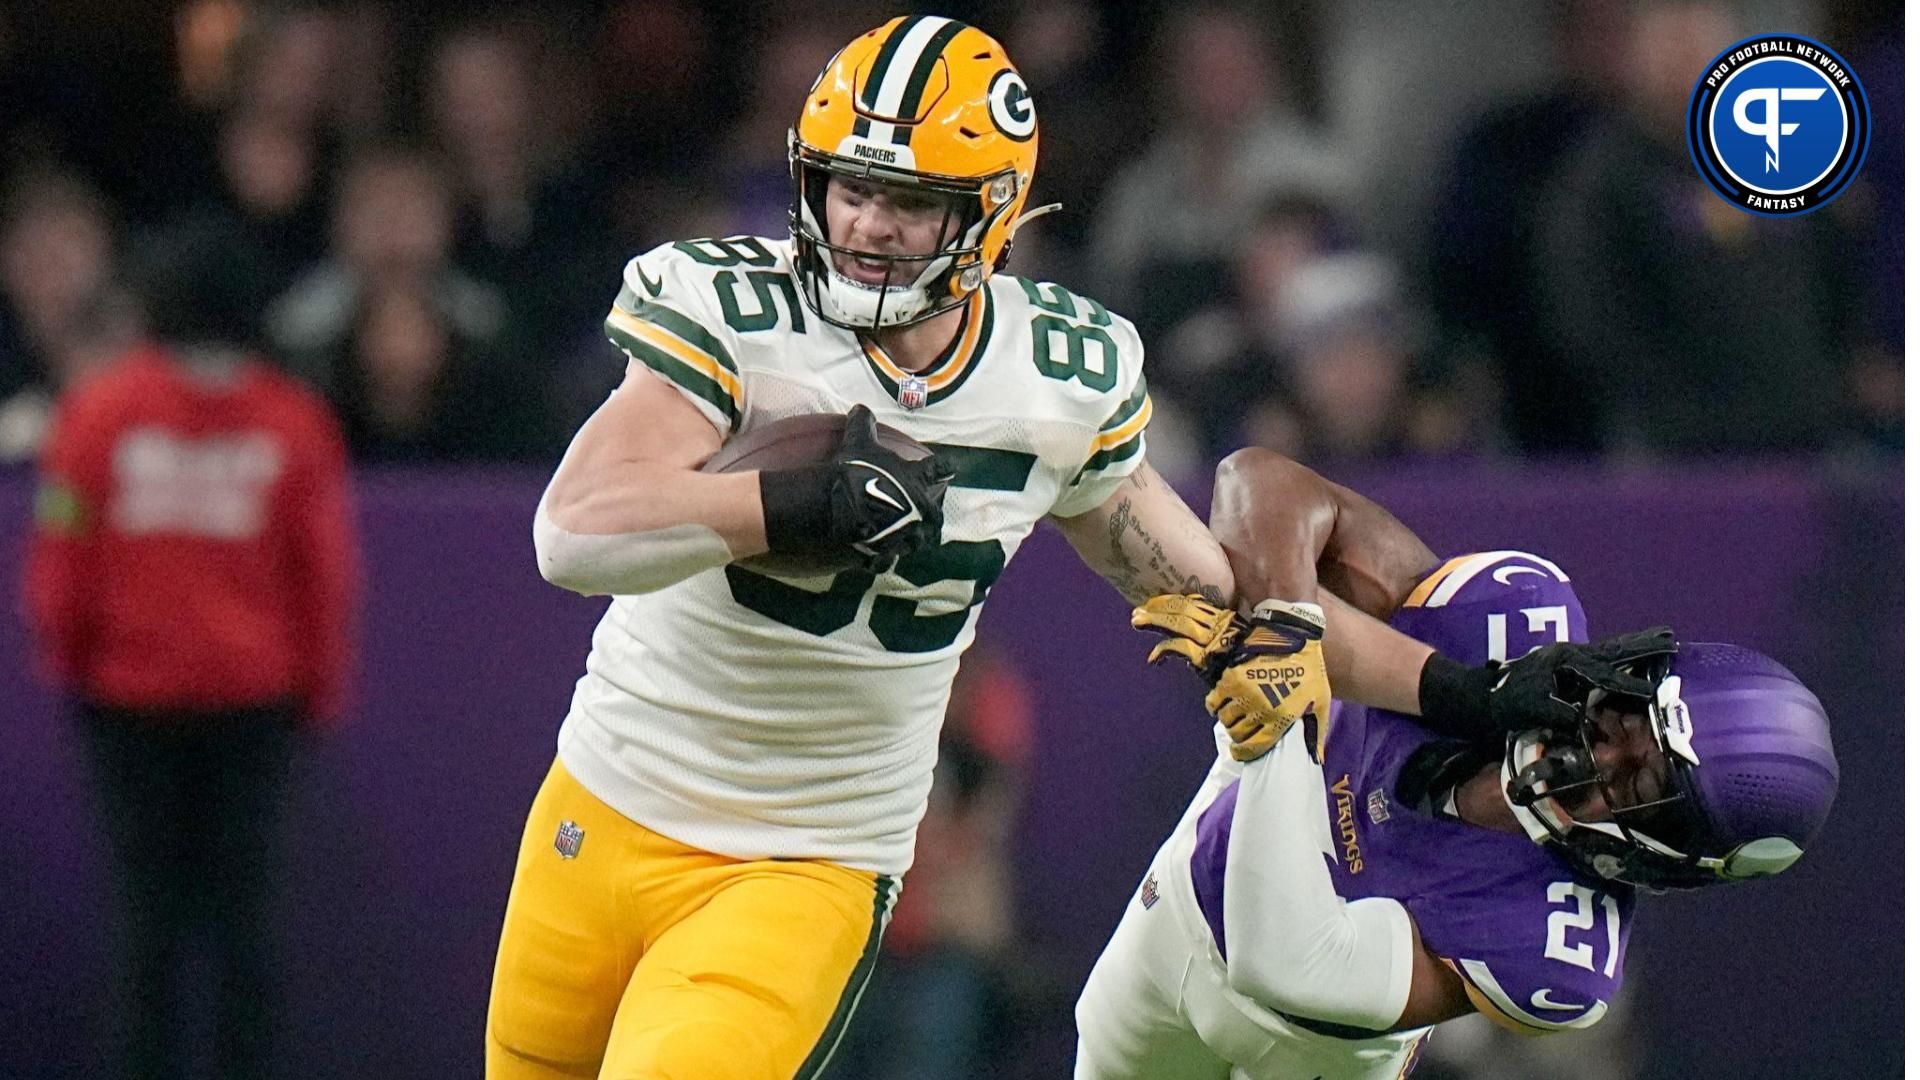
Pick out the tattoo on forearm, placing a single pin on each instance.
(1120, 571)
(1125, 531)
(1212, 594)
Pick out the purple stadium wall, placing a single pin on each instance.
(408, 818)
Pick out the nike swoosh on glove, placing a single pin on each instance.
(884, 505)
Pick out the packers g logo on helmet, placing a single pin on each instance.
(925, 103)
(1010, 106)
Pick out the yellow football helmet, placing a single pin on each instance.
(926, 103)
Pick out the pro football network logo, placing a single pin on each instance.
(1778, 125)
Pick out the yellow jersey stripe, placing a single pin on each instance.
(681, 351)
(1107, 440)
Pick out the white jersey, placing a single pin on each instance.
(762, 717)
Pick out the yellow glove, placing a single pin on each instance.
(1267, 672)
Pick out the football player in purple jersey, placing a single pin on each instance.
(1347, 878)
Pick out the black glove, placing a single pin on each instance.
(1546, 688)
(865, 500)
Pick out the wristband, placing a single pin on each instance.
(1455, 699)
(796, 507)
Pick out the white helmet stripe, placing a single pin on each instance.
(893, 82)
(1457, 579)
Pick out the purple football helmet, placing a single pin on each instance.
(1751, 767)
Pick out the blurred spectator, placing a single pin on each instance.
(1216, 364)
(1229, 143)
(411, 387)
(191, 582)
(756, 179)
(62, 312)
(1066, 57)
(286, 65)
(1702, 327)
(1356, 383)
(392, 222)
(264, 201)
(930, 1011)
(1485, 293)
(411, 349)
(1873, 216)
(525, 210)
(658, 81)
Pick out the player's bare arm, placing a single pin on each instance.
(1289, 532)
(634, 467)
(1146, 541)
(1286, 529)
(628, 509)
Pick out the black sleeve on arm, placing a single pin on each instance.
(1455, 700)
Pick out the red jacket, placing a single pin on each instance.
(193, 544)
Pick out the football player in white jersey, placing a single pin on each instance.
(706, 872)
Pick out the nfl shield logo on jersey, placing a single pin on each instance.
(567, 840)
(913, 392)
(1149, 892)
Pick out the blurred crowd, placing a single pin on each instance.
(426, 214)
(1360, 231)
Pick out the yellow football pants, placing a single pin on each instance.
(640, 957)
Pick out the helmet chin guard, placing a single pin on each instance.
(851, 303)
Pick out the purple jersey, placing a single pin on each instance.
(1538, 942)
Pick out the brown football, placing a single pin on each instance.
(800, 440)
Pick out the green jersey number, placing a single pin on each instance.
(731, 251)
(896, 620)
(1067, 347)
(766, 284)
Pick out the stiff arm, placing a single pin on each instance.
(1287, 531)
(1290, 533)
